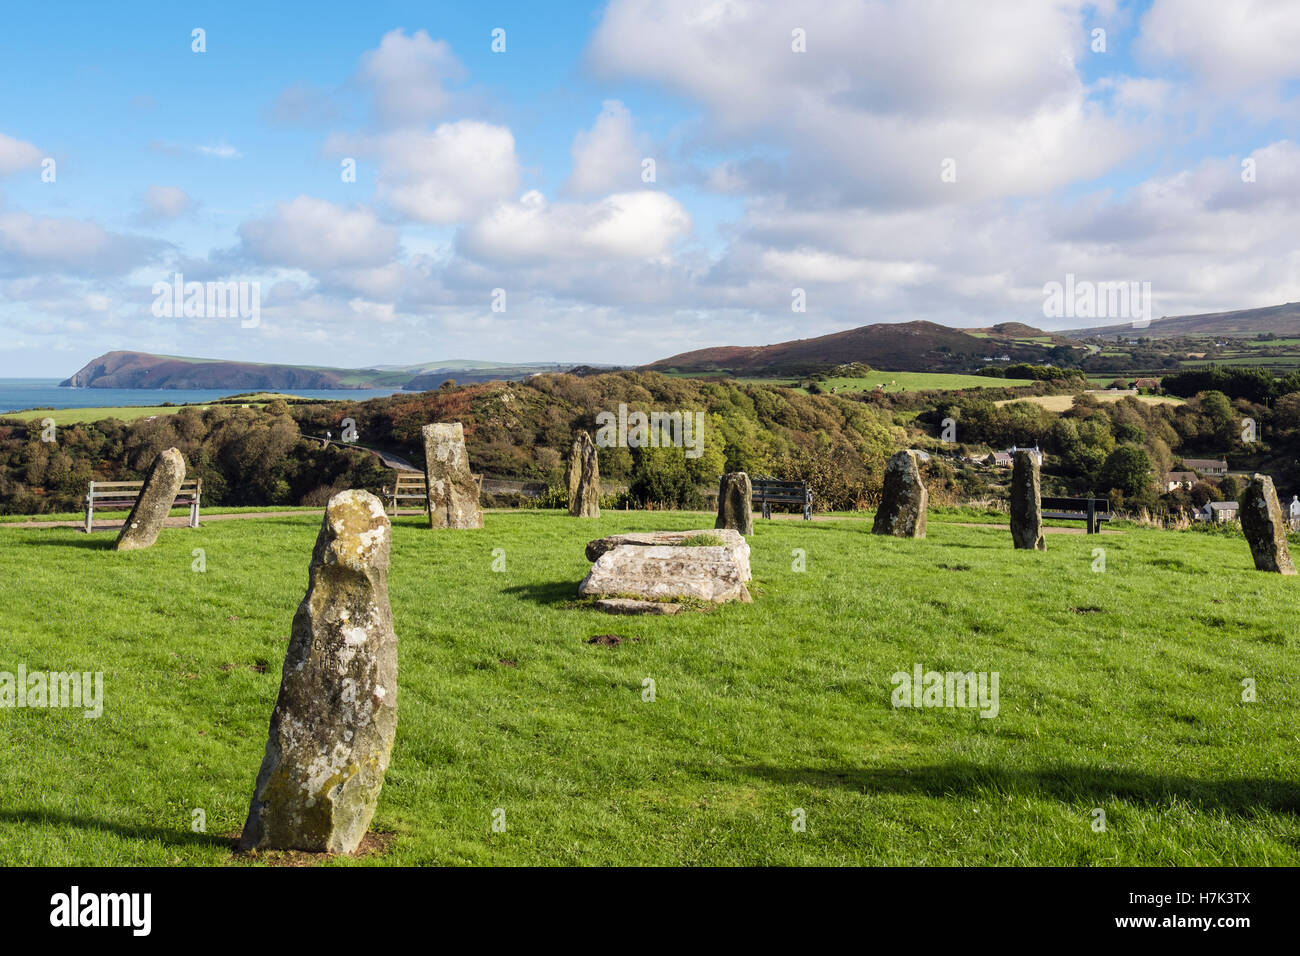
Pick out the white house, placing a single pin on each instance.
(1217, 511)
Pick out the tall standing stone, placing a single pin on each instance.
(453, 493)
(333, 725)
(151, 509)
(1265, 526)
(903, 500)
(1026, 503)
(583, 478)
(736, 503)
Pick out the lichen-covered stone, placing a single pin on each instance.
(453, 493)
(903, 500)
(583, 478)
(1026, 503)
(151, 509)
(665, 572)
(729, 538)
(335, 718)
(1265, 526)
(736, 503)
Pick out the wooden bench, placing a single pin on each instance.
(411, 486)
(1092, 510)
(769, 491)
(122, 495)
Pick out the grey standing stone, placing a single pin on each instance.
(583, 478)
(665, 573)
(736, 503)
(333, 725)
(1265, 525)
(1026, 503)
(453, 493)
(904, 499)
(728, 537)
(151, 509)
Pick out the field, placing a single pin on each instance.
(900, 381)
(1063, 403)
(126, 413)
(1119, 691)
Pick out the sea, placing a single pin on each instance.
(20, 394)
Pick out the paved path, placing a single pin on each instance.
(175, 521)
(1047, 529)
(389, 459)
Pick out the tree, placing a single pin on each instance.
(1127, 468)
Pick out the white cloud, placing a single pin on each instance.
(606, 158)
(165, 202)
(885, 93)
(1230, 45)
(637, 225)
(443, 176)
(16, 155)
(68, 246)
(406, 75)
(314, 234)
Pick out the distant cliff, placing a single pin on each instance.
(141, 370)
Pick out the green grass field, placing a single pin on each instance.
(126, 413)
(1119, 690)
(898, 381)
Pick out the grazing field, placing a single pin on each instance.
(1063, 403)
(130, 413)
(900, 381)
(1119, 690)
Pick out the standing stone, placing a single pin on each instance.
(736, 503)
(153, 506)
(453, 493)
(1265, 526)
(1026, 503)
(333, 725)
(583, 478)
(903, 501)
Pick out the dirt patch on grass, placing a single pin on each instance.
(372, 844)
(611, 640)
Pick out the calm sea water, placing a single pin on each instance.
(18, 394)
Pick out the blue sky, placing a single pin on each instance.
(776, 169)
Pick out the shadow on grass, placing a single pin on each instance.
(1242, 796)
(100, 541)
(548, 594)
(167, 836)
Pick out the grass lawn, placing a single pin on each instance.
(125, 413)
(898, 381)
(1118, 690)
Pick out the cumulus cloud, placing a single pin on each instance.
(162, 203)
(1230, 45)
(314, 234)
(406, 75)
(38, 244)
(606, 158)
(441, 176)
(16, 155)
(638, 225)
(992, 86)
